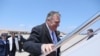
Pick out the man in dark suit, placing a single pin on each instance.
(13, 44)
(21, 40)
(90, 33)
(44, 37)
(4, 45)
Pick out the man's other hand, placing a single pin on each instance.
(47, 47)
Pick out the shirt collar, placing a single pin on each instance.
(50, 31)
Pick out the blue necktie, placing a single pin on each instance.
(54, 38)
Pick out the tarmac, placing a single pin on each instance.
(22, 54)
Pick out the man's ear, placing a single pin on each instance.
(48, 20)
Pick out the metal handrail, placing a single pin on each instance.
(75, 32)
(80, 40)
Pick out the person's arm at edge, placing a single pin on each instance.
(33, 45)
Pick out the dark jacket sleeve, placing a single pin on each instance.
(23, 39)
(1, 46)
(7, 46)
(33, 44)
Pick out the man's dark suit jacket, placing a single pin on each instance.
(90, 37)
(39, 35)
(21, 41)
(4, 48)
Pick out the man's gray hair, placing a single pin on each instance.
(51, 13)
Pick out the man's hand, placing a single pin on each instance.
(47, 47)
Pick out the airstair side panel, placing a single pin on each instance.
(89, 47)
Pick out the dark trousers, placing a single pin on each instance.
(12, 53)
(20, 46)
